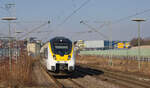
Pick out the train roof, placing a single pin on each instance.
(60, 38)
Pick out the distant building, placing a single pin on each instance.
(79, 44)
(122, 44)
(33, 49)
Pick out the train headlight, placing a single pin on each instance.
(54, 57)
(69, 57)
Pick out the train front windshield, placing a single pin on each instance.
(61, 47)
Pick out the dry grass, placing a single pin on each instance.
(142, 47)
(20, 72)
(124, 65)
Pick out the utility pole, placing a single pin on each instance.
(17, 45)
(9, 19)
(110, 62)
(110, 44)
(139, 20)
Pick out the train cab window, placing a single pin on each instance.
(61, 47)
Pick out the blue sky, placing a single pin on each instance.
(32, 13)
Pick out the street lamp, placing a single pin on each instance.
(139, 20)
(9, 19)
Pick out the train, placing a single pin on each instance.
(60, 55)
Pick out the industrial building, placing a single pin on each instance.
(102, 44)
(33, 47)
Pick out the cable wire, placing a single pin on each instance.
(75, 11)
(127, 17)
(35, 29)
(95, 30)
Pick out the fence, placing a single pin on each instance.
(131, 54)
(15, 64)
(10, 48)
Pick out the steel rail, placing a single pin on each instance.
(80, 86)
(58, 84)
(126, 79)
(50, 77)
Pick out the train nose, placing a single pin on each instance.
(61, 54)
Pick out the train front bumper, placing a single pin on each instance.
(61, 65)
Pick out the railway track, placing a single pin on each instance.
(115, 78)
(58, 82)
(62, 84)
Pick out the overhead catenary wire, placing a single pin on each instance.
(75, 11)
(119, 20)
(35, 29)
(95, 30)
(130, 16)
(32, 26)
(45, 38)
(69, 16)
(74, 34)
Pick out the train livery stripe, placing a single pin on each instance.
(50, 49)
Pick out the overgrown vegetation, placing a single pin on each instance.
(123, 65)
(134, 41)
(20, 72)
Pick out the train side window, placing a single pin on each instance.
(46, 53)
